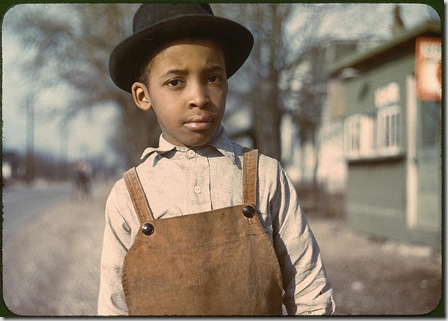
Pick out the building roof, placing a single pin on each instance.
(387, 51)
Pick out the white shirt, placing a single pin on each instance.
(181, 181)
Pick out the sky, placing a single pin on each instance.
(89, 133)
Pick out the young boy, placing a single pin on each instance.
(203, 226)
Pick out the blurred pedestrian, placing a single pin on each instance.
(82, 183)
(203, 226)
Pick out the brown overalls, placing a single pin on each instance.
(218, 262)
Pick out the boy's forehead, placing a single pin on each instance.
(175, 49)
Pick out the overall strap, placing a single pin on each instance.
(138, 196)
(250, 172)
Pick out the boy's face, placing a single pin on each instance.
(187, 90)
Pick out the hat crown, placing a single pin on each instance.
(155, 23)
(149, 14)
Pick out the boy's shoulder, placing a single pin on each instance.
(265, 162)
(269, 167)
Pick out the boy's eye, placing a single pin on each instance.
(214, 79)
(175, 83)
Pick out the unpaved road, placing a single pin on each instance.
(51, 265)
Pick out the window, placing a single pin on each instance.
(352, 131)
(388, 131)
(359, 136)
(366, 137)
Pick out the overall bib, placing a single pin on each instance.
(219, 262)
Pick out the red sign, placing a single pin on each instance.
(428, 71)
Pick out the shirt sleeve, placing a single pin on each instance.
(116, 241)
(307, 289)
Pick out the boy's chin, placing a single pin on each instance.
(198, 138)
(189, 138)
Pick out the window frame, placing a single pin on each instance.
(359, 136)
(389, 125)
(369, 137)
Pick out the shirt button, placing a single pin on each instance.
(197, 190)
(190, 154)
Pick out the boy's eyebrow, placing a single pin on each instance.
(174, 72)
(184, 71)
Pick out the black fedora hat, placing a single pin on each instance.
(158, 22)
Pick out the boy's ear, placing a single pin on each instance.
(141, 96)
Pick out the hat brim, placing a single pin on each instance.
(125, 58)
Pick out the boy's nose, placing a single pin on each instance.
(199, 96)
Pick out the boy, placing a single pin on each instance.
(202, 226)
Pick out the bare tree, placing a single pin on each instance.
(69, 45)
(271, 77)
(261, 91)
(286, 73)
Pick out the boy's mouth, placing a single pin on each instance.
(199, 122)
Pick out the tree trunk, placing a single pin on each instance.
(266, 111)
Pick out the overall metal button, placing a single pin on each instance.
(248, 211)
(147, 229)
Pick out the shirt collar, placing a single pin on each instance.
(223, 144)
(164, 147)
(220, 141)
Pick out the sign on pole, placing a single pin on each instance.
(428, 71)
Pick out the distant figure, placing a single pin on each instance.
(398, 25)
(81, 187)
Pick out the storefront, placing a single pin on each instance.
(392, 136)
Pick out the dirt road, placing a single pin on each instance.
(52, 266)
(372, 277)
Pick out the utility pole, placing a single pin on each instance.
(30, 141)
(63, 150)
